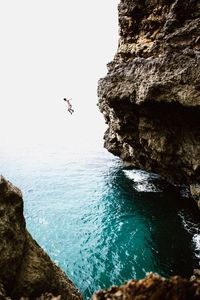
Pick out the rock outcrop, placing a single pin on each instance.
(25, 269)
(150, 97)
(153, 287)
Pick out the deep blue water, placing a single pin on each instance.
(103, 223)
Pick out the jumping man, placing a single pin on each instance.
(70, 110)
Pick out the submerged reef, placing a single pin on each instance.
(25, 269)
(150, 97)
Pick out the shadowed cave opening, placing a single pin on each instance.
(159, 137)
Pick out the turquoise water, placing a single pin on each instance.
(103, 223)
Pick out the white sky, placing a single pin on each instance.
(52, 49)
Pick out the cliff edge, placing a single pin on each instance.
(150, 97)
(25, 269)
(153, 287)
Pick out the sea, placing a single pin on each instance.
(101, 222)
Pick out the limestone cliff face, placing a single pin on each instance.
(25, 269)
(150, 97)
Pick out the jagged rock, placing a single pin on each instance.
(25, 269)
(153, 287)
(46, 296)
(150, 97)
(195, 192)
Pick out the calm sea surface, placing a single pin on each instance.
(103, 223)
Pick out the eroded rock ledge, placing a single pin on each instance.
(150, 97)
(25, 269)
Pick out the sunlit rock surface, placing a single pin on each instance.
(150, 97)
(25, 269)
(153, 287)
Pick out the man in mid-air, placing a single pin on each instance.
(70, 110)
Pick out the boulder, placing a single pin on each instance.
(153, 287)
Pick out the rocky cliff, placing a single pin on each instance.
(25, 269)
(153, 287)
(150, 97)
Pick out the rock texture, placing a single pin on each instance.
(25, 269)
(153, 287)
(150, 97)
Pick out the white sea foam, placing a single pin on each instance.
(142, 181)
(192, 229)
(196, 240)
